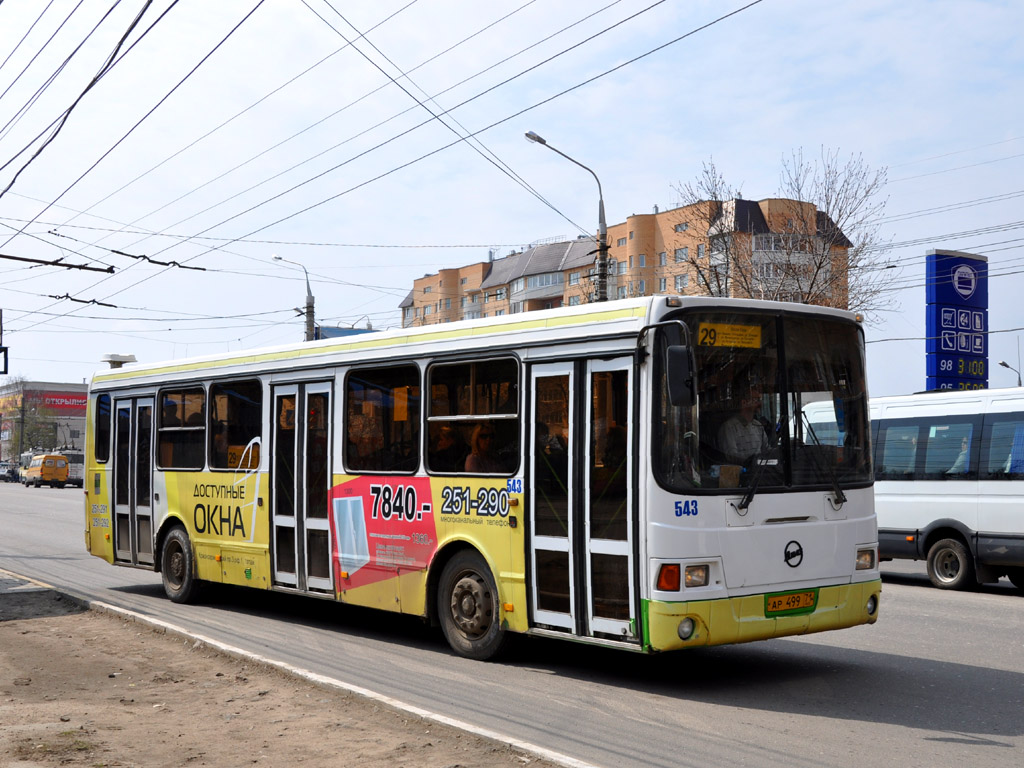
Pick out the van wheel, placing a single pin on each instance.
(468, 607)
(950, 565)
(177, 567)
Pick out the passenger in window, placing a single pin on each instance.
(743, 435)
(220, 448)
(170, 417)
(446, 456)
(960, 465)
(482, 459)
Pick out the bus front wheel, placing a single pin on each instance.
(469, 609)
(177, 567)
(950, 565)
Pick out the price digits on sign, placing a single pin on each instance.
(489, 502)
(964, 367)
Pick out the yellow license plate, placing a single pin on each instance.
(790, 602)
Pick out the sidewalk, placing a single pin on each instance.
(83, 687)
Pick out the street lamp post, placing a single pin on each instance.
(602, 230)
(310, 325)
(1007, 365)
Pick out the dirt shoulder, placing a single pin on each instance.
(80, 687)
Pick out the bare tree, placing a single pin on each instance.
(822, 243)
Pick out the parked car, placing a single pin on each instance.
(8, 472)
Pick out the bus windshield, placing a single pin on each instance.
(782, 403)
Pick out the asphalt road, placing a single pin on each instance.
(938, 681)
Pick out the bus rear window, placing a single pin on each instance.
(101, 444)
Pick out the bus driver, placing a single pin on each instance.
(742, 435)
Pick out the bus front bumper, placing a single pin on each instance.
(743, 619)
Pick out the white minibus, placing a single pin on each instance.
(949, 483)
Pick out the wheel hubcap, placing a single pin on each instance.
(471, 605)
(947, 565)
(177, 566)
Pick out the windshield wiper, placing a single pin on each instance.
(760, 462)
(840, 497)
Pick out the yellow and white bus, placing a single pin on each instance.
(567, 473)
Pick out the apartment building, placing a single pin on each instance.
(776, 249)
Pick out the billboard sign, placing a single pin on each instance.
(956, 320)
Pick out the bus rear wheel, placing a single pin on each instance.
(177, 567)
(468, 607)
(950, 565)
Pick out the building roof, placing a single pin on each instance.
(550, 257)
(829, 230)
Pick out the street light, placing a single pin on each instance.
(1007, 365)
(310, 333)
(602, 230)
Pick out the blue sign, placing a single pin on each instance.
(957, 279)
(956, 320)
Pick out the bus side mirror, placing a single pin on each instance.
(679, 372)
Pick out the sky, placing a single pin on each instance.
(176, 153)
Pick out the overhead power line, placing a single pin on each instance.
(57, 263)
(62, 120)
(146, 116)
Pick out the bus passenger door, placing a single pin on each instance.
(552, 525)
(581, 499)
(301, 480)
(608, 490)
(133, 481)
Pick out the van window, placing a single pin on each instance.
(1002, 447)
(898, 446)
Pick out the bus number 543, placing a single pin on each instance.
(686, 508)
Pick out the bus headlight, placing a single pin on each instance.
(686, 628)
(865, 559)
(696, 576)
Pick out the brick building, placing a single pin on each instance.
(769, 249)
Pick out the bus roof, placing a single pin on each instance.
(620, 318)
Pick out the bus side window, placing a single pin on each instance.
(182, 431)
(236, 424)
(382, 419)
(477, 404)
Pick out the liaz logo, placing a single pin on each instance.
(793, 554)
